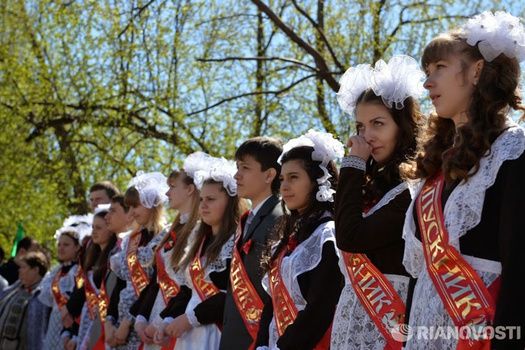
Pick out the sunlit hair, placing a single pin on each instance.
(229, 223)
(457, 152)
(182, 231)
(156, 220)
(379, 179)
(302, 224)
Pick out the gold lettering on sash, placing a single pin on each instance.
(463, 293)
(377, 296)
(139, 278)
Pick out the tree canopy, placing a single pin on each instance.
(94, 90)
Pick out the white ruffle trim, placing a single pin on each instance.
(464, 206)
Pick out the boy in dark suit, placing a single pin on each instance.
(257, 180)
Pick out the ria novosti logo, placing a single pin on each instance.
(401, 332)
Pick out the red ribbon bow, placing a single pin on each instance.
(247, 246)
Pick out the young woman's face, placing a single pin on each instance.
(28, 275)
(140, 214)
(296, 186)
(450, 85)
(67, 248)
(179, 193)
(213, 202)
(101, 233)
(376, 125)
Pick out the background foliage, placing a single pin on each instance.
(93, 90)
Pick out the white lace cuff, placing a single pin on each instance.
(141, 319)
(167, 320)
(354, 162)
(111, 320)
(64, 335)
(192, 318)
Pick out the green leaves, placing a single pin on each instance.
(94, 90)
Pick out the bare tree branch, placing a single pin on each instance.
(402, 22)
(136, 15)
(273, 58)
(246, 94)
(106, 153)
(319, 59)
(224, 18)
(320, 31)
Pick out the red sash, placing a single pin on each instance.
(103, 302)
(60, 298)
(139, 277)
(465, 296)
(168, 287)
(247, 300)
(79, 277)
(284, 309)
(204, 288)
(91, 297)
(377, 296)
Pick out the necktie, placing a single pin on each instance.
(249, 220)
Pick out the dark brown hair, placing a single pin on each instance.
(37, 259)
(379, 179)
(229, 223)
(292, 221)
(266, 151)
(107, 186)
(97, 258)
(119, 199)
(456, 151)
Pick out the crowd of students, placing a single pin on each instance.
(280, 249)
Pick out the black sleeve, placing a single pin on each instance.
(356, 234)
(510, 308)
(177, 305)
(9, 271)
(76, 302)
(115, 298)
(73, 330)
(146, 300)
(263, 335)
(323, 286)
(211, 310)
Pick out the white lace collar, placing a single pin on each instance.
(387, 198)
(183, 218)
(221, 262)
(464, 206)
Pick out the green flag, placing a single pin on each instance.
(19, 235)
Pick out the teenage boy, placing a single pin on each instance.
(257, 180)
(101, 193)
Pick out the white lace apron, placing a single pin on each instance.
(462, 212)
